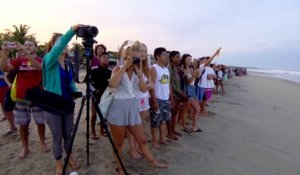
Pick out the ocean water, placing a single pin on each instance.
(293, 76)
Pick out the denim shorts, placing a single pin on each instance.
(200, 93)
(191, 91)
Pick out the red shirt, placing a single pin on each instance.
(28, 76)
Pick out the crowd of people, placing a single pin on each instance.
(174, 88)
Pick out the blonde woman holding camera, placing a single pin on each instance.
(124, 113)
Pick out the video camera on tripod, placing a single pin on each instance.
(88, 33)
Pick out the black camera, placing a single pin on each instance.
(76, 95)
(87, 31)
(136, 60)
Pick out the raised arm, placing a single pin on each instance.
(5, 65)
(52, 57)
(117, 74)
(212, 57)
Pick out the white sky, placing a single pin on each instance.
(257, 33)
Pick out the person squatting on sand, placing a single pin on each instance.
(29, 75)
(123, 115)
(58, 78)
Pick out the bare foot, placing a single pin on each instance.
(59, 168)
(173, 137)
(138, 149)
(102, 132)
(177, 133)
(158, 164)
(120, 171)
(23, 153)
(94, 137)
(74, 164)
(162, 142)
(45, 148)
(135, 155)
(155, 145)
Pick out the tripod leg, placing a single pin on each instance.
(73, 134)
(105, 127)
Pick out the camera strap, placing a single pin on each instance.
(67, 78)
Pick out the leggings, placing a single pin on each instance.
(61, 128)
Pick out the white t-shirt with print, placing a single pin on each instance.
(205, 83)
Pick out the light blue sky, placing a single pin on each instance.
(256, 33)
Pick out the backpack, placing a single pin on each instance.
(13, 89)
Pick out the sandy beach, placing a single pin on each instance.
(252, 130)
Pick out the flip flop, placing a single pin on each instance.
(187, 130)
(197, 130)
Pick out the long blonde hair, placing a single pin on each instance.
(145, 65)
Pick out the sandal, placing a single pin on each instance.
(197, 130)
(9, 132)
(187, 130)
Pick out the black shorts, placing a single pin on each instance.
(9, 105)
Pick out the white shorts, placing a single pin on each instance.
(144, 104)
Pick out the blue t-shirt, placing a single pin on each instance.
(2, 81)
(65, 82)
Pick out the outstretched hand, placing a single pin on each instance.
(75, 27)
(218, 51)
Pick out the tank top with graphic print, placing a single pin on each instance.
(162, 83)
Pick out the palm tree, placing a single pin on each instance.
(20, 34)
(6, 36)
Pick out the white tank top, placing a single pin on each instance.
(162, 83)
(126, 88)
(138, 91)
(189, 75)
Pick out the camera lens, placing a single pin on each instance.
(93, 31)
(136, 60)
(87, 32)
